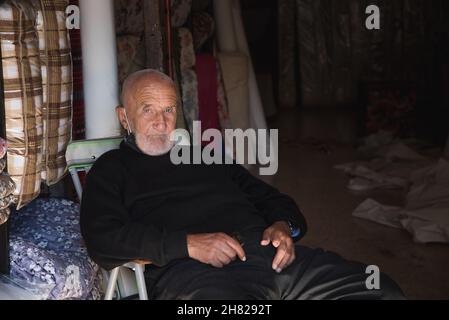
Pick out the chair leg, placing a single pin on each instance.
(140, 279)
(111, 284)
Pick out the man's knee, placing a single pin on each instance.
(389, 289)
(218, 293)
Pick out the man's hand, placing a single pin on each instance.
(278, 234)
(216, 249)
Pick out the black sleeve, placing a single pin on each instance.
(110, 237)
(271, 204)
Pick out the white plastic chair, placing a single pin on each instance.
(80, 156)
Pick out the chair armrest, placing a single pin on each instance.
(143, 262)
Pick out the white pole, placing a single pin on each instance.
(100, 75)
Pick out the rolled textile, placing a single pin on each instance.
(57, 84)
(4, 215)
(206, 73)
(235, 77)
(189, 85)
(226, 37)
(257, 114)
(180, 12)
(78, 120)
(187, 51)
(7, 185)
(23, 98)
(130, 56)
(3, 145)
(180, 119)
(129, 17)
(6, 202)
(2, 165)
(256, 110)
(203, 28)
(222, 101)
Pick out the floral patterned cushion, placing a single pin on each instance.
(180, 10)
(48, 257)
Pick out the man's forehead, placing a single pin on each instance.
(156, 93)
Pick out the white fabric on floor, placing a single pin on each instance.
(426, 211)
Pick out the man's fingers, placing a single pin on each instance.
(223, 259)
(280, 253)
(228, 250)
(285, 260)
(278, 238)
(266, 238)
(236, 247)
(217, 264)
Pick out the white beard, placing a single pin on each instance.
(154, 145)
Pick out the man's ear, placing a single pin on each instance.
(120, 110)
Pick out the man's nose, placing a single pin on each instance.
(159, 122)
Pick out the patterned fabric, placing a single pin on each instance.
(203, 28)
(7, 185)
(180, 11)
(180, 119)
(2, 165)
(4, 215)
(200, 5)
(187, 52)
(78, 121)
(130, 55)
(48, 257)
(23, 97)
(56, 68)
(3, 146)
(189, 86)
(6, 202)
(129, 17)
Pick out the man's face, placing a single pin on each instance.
(151, 111)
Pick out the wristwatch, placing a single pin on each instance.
(294, 230)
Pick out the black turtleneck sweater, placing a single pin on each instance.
(137, 206)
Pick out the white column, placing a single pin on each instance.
(100, 75)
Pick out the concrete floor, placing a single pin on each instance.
(310, 144)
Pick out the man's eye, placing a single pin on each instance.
(169, 109)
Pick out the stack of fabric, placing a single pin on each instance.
(78, 122)
(203, 90)
(7, 186)
(37, 78)
(22, 80)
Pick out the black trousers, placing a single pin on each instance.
(315, 274)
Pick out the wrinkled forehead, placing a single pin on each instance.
(149, 90)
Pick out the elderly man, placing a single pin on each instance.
(210, 231)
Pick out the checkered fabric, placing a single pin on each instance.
(23, 97)
(57, 84)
